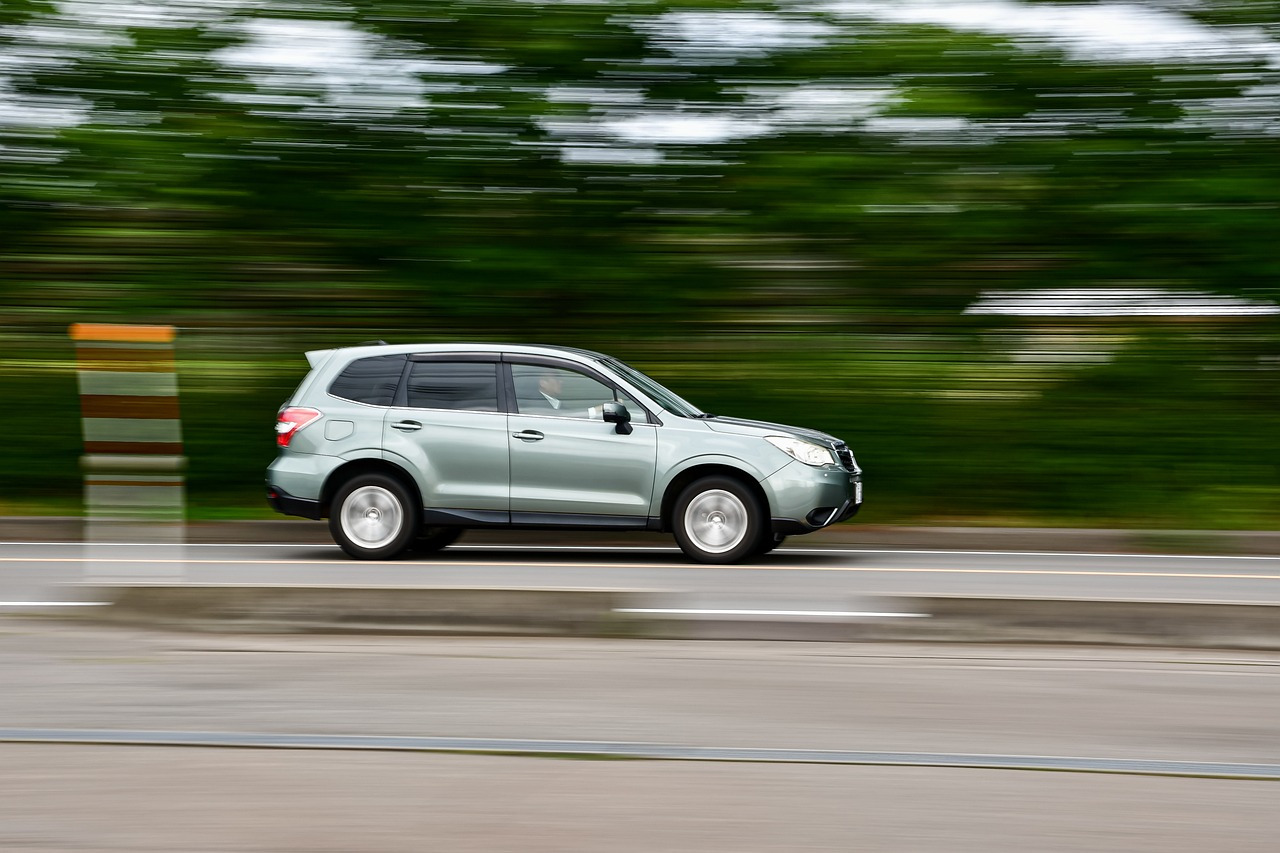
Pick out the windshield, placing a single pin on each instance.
(664, 398)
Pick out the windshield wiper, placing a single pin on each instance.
(704, 415)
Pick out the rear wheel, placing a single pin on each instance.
(431, 539)
(719, 520)
(373, 517)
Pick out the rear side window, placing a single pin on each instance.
(469, 385)
(370, 380)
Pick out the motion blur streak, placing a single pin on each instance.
(1020, 254)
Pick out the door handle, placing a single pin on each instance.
(528, 435)
(406, 426)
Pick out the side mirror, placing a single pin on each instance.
(617, 414)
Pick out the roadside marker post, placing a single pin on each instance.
(134, 484)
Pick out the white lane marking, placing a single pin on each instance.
(1096, 554)
(352, 564)
(331, 546)
(889, 551)
(662, 549)
(54, 603)
(80, 543)
(689, 611)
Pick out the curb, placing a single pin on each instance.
(635, 614)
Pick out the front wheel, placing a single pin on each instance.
(769, 542)
(373, 517)
(719, 520)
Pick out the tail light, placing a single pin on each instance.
(290, 421)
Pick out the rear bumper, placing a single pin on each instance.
(286, 504)
(295, 482)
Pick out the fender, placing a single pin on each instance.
(346, 457)
(673, 472)
(408, 467)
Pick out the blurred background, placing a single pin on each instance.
(1020, 255)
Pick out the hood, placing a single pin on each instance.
(743, 426)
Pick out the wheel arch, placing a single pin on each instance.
(697, 471)
(357, 467)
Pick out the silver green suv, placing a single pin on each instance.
(405, 446)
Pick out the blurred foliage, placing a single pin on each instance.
(781, 210)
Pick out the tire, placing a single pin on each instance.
(373, 517)
(769, 542)
(432, 539)
(719, 520)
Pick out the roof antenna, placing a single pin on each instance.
(379, 343)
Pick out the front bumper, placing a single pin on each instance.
(803, 498)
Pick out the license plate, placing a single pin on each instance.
(857, 492)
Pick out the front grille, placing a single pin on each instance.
(845, 455)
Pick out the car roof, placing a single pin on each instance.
(523, 349)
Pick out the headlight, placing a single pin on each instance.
(803, 451)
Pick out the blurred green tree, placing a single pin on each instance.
(648, 176)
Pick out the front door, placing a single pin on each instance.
(566, 460)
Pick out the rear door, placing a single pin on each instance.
(448, 423)
(567, 464)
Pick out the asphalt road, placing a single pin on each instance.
(1059, 702)
(1104, 703)
(110, 799)
(791, 576)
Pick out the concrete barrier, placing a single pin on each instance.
(658, 615)
(962, 619)
(1091, 621)
(345, 609)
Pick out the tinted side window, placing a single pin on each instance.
(565, 393)
(471, 385)
(370, 380)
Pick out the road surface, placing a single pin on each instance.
(792, 576)
(1107, 705)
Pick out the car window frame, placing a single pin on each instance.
(328, 388)
(401, 400)
(511, 358)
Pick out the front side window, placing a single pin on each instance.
(558, 392)
(370, 380)
(467, 385)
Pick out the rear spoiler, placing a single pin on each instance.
(318, 357)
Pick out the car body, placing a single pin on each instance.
(405, 446)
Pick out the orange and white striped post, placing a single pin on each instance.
(133, 463)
